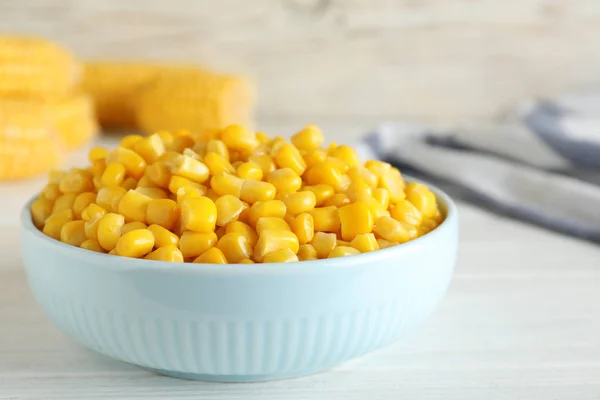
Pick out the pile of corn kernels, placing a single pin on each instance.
(233, 196)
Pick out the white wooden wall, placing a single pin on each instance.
(440, 60)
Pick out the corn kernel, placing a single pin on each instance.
(337, 200)
(97, 153)
(285, 180)
(76, 182)
(309, 138)
(227, 184)
(167, 156)
(377, 210)
(93, 245)
(130, 226)
(81, 202)
(129, 141)
(189, 168)
(92, 211)
(288, 156)
(150, 148)
(315, 157)
(133, 206)
(228, 209)
(358, 188)
(109, 230)
(218, 147)
(163, 237)
(129, 183)
(168, 253)
(322, 193)
(355, 218)
(273, 240)
(133, 162)
(177, 182)
(307, 252)
(73, 233)
(199, 214)
(342, 251)
(235, 247)
(378, 168)
(405, 211)
(181, 142)
(327, 173)
(271, 223)
(281, 255)
(265, 162)
(382, 196)
(189, 191)
(365, 242)
(98, 168)
(159, 173)
(239, 138)
(392, 230)
(327, 219)
(254, 191)
(341, 242)
(54, 223)
(422, 198)
(246, 261)
(109, 197)
(347, 154)
(51, 191)
(192, 244)
(324, 243)
(384, 244)
(360, 173)
(163, 212)
(303, 225)
(300, 202)
(152, 192)
(64, 202)
(269, 208)
(113, 175)
(394, 185)
(40, 210)
(145, 181)
(136, 243)
(243, 229)
(250, 171)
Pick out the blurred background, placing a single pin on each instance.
(355, 62)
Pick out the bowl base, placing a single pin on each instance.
(234, 378)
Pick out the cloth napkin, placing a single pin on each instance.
(540, 164)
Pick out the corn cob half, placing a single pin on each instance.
(74, 120)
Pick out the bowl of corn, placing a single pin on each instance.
(231, 256)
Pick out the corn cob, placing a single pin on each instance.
(74, 120)
(194, 100)
(28, 144)
(113, 86)
(33, 67)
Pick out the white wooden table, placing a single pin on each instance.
(521, 321)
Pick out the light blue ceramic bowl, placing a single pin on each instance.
(240, 322)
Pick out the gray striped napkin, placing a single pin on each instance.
(541, 165)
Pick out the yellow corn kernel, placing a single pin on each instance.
(390, 229)
(177, 182)
(254, 191)
(384, 244)
(190, 191)
(113, 175)
(200, 149)
(150, 148)
(300, 202)
(109, 197)
(129, 183)
(315, 157)
(159, 173)
(324, 243)
(168, 253)
(339, 164)
(327, 219)
(51, 191)
(199, 214)
(422, 198)
(303, 225)
(285, 180)
(73, 233)
(309, 138)
(327, 173)
(192, 244)
(129, 141)
(244, 215)
(342, 243)
(97, 153)
(405, 211)
(235, 247)
(189, 168)
(243, 229)
(249, 171)
(377, 210)
(132, 225)
(322, 193)
(271, 223)
(337, 200)
(365, 242)
(81, 202)
(262, 137)
(265, 162)
(382, 196)
(76, 181)
(273, 240)
(145, 181)
(41, 209)
(109, 230)
(307, 252)
(356, 219)
(246, 261)
(227, 184)
(239, 138)
(133, 206)
(54, 223)
(269, 208)
(342, 251)
(136, 243)
(55, 176)
(92, 211)
(281, 255)
(133, 162)
(217, 164)
(181, 142)
(288, 156)
(218, 147)
(394, 185)
(360, 173)
(228, 209)
(378, 168)
(163, 237)
(276, 144)
(92, 244)
(347, 154)
(211, 256)
(64, 202)
(152, 192)
(163, 212)
(358, 188)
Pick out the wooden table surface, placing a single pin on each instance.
(521, 320)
